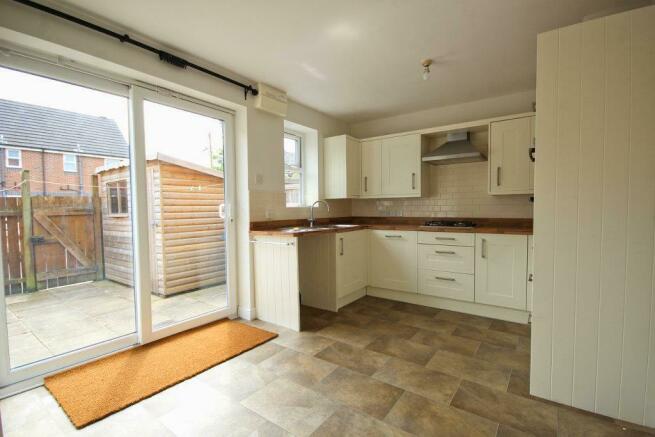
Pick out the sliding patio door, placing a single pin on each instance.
(187, 170)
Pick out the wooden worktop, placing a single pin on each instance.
(483, 226)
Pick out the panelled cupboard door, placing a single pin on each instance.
(401, 165)
(393, 260)
(501, 270)
(342, 167)
(510, 169)
(352, 259)
(371, 168)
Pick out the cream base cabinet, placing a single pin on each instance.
(510, 169)
(342, 155)
(501, 263)
(403, 173)
(393, 260)
(371, 171)
(351, 262)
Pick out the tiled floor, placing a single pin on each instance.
(376, 368)
(57, 320)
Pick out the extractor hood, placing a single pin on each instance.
(456, 149)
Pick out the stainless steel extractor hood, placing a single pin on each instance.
(456, 149)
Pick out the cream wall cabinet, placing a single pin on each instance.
(371, 173)
(393, 260)
(343, 158)
(510, 169)
(403, 172)
(501, 270)
(351, 262)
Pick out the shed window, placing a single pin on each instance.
(70, 163)
(117, 197)
(14, 159)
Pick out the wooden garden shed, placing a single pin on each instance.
(187, 238)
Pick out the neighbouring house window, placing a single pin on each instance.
(293, 171)
(117, 197)
(70, 163)
(112, 162)
(14, 158)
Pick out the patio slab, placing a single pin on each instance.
(59, 320)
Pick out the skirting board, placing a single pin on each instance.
(477, 309)
(350, 298)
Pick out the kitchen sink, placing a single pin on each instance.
(293, 229)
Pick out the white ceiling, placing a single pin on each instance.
(360, 59)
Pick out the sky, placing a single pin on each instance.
(181, 134)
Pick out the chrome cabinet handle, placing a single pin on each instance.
(447, 252)
(413, 181)
(445, 238)
(341, 248)
(393, 236)
(530, 277)
(498, 176)
(365, 184)
(484, 248)
(441, 278)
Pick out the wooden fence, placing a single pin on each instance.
(49, 241)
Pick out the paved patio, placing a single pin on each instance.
(58, 320)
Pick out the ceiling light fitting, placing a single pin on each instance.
(426, 68)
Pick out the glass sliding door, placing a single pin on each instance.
(66, 250)
(187, 175)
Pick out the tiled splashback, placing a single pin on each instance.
(271, 206)
(456, 190)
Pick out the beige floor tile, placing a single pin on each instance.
(414, 309)
(304, 342)
(347, 334)
(236, 379)
(359, 391)
(429, 383)
(423, 417)
(515, 411)
(442, 341)
(291, 406)
(519, 383)
(299, 368)
(389, 329)
(348, 423)
(466, 319)
(513, 358)
(491, 374)
(427, 323)
(510, 327)
(496, 338)
(404, 349)
(572, 423)
(354, 358)
(261, 352)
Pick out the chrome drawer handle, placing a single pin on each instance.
(393, 236)
(445, 238)
(447, 252)
(444, 279)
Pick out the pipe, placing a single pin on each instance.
(163, 55)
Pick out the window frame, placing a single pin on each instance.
(64, 161)
(7, 158)
(288, 134)
(115, 184)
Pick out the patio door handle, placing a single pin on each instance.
(221, 211)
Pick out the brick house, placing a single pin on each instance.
(62, 149)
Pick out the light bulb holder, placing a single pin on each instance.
(426, 68)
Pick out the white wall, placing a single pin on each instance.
(440, 116)
(258, 134)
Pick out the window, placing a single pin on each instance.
(14, 159)
(70, 163)
(117, 197)
(293, 171)
(112, 162)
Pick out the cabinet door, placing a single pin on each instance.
(352, 257)
(510, 169)
(342, 164)
(393, 260)
(530, 285)
(371, 168)
(401, 166)
(501, 270)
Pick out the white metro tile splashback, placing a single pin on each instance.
(456, 190)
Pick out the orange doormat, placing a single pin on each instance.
(95, 390)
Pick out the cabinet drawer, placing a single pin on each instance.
(458, 259)
(450, 285)
(447, 238)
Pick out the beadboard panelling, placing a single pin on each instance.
(456, 190)
(594, 312)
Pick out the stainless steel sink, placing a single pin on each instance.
(293, 229)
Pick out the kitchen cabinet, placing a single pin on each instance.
(530, 284)
(510, 169)
(501, 270)
(351, 253)
(342, 157)
(393, 260)
(371, 168)
(402, 173)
